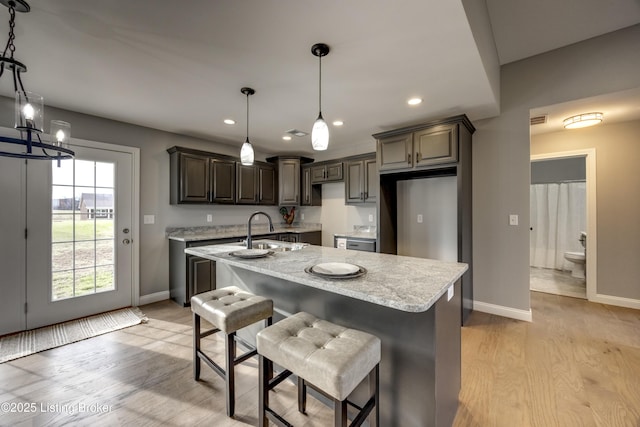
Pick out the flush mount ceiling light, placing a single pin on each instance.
(29, 107)
(229, 122)
(246, 152)
(320, 131)
(414, 101)
(582, 120)
(338, 123)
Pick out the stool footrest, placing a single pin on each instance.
(277, 419)
(204, 334)
(278, 379)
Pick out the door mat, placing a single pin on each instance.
(25, 343)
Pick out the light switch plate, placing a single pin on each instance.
(513, 219)
(209, 217)
(370, 218)
(149, 219)
(419, 218)
(302, 217)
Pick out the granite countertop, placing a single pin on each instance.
(399, 282)
(360, 232)
(193, 234)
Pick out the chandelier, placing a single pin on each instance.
(29, 107)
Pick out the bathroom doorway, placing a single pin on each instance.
(562, 209)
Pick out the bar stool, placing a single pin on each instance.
(329, 358)
(228, 310)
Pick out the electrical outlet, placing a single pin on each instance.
(513, 219)
(302, 217)
(419, 218)
(209, 217)
(370, 218)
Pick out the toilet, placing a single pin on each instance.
(579, 260)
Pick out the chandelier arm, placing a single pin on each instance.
(68, 153)
(20, 82)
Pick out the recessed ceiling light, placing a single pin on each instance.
(582, 120)
(414, 101)
(286, 138)
(229, 122)
(338, 122)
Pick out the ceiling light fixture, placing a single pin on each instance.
(229, 122)
(582, 120)
(30, 106)
(338, 123)
(246, 152)
(286, 138)
(320, 131)
(414, 101)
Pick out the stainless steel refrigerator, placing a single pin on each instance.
(427, 216)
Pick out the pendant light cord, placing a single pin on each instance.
(247, 116)
(320, 85)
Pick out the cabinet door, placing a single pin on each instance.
(223, 180)
(289, 182)
(395, 152)
(266, 185)
(318, 174)
(354, 183)
(306, 186)
(288, 237)
(202, 275)
(193, 179)
(370, 180)
(334, 171)
(437, 145)
(246, 180)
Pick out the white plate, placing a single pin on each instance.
(335, 269)
(250, 253)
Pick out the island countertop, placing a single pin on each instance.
(403, 283)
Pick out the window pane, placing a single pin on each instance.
(105, 278)
(62, 175)
(61, 256)
(104, 252)
(104, 175)
(62, 285)
(85, 254)
(85, 229)
(61, 228)
(85, 173)
(85, 281)
(104, 229)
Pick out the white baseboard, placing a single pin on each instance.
(618, 301)
(503, 311)
(150, 298)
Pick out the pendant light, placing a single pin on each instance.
(29, 107)
(246, 152)
(320, 131)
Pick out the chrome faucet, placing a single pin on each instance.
(271, 229)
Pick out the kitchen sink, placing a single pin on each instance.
(276, 246)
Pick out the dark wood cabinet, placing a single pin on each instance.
(255, 184)
(326, 172)
(223, 181)
(189, 178)
(361, 180)
(267, 185)
(419, 149)
(201, 276)
(311, 195)
(435, 149)
(289, 182)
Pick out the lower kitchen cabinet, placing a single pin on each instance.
(201, 276)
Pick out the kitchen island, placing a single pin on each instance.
(411, 304)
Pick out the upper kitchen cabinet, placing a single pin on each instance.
(361, 183)
(289, 178)
(311, 194)
(201, 177)
(326, 172)
(256, 184)
(427, 146)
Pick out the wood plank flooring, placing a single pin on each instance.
(577, 364)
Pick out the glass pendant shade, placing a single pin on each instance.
(246, 153)
(320, 134)
(60, 133)
(29, 111)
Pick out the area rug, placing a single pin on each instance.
(36, 340)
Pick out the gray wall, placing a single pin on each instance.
(618, 199)
(601, 65)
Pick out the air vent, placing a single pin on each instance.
(296, 132)
(538, 120)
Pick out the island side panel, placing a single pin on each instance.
(411, 355)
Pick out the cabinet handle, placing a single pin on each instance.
(409, 158)
(361, 195)
(366, 195)
(418, 157)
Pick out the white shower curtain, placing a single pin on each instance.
(558, 215)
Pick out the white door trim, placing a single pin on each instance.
(589, 155)
(135, 206)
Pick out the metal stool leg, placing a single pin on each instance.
(230, 349)
(196, 346)
(340, 413)
(302, 395)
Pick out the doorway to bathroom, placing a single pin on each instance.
(562, 223)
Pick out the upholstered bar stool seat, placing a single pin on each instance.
(228, 310)
(330, 358)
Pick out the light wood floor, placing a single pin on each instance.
(577, 364)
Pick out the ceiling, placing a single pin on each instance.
(179, 66)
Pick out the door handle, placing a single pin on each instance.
(126, 241)
(409, 158)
